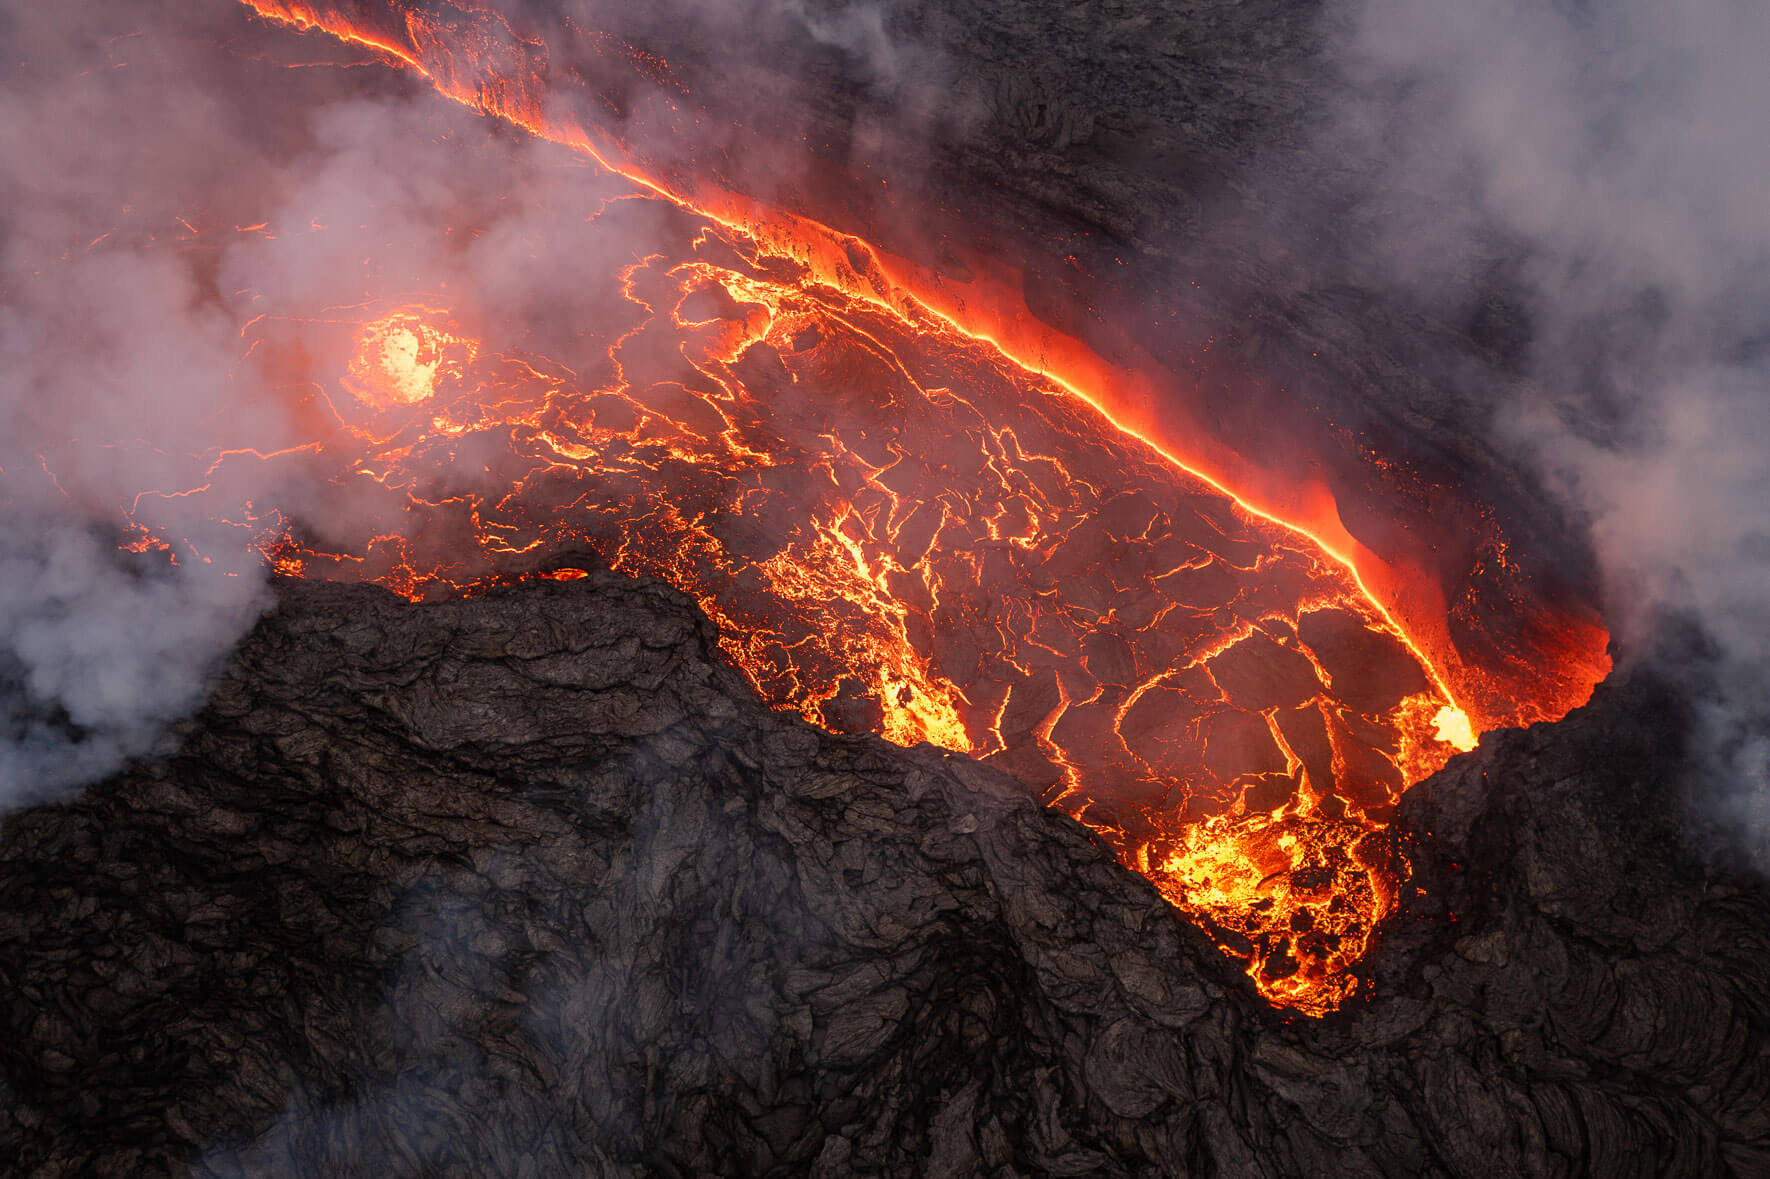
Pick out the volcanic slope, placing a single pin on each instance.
(531, 883)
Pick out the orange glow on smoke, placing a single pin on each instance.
(915, 510)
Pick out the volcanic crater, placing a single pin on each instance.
(847, 686)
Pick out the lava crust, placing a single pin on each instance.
(532, 884)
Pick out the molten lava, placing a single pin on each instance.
(900, 529)
(400, 356)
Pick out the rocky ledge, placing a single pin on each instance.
(531, 885)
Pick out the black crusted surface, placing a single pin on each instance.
(530, 885)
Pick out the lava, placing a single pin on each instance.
(899, 526)
(400, 356)
(900, 531)
(474, 55)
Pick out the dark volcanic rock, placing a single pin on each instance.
(530, 884)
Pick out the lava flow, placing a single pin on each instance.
(900, 529)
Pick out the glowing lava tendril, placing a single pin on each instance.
(901, 529)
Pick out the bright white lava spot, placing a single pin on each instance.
(1454, 728)
(400, 356)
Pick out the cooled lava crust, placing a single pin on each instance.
(532, 884)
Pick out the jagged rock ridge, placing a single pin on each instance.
(530, 884)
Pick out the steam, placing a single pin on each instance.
(104, 344)
(857, 29)
(134, 144)
(1604, 167)
(97, 658)
(165, 180)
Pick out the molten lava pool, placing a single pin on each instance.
(899, 529)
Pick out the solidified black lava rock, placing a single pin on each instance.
(530, 884)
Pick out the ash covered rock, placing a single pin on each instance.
(530, 884)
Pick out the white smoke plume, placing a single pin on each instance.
(139, 143)
(104, 343)
(1611, 160)
(97, 659)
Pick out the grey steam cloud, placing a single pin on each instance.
(1612, 161)
(103, 344)
(134, 139)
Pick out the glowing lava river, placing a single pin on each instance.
(899, 528)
